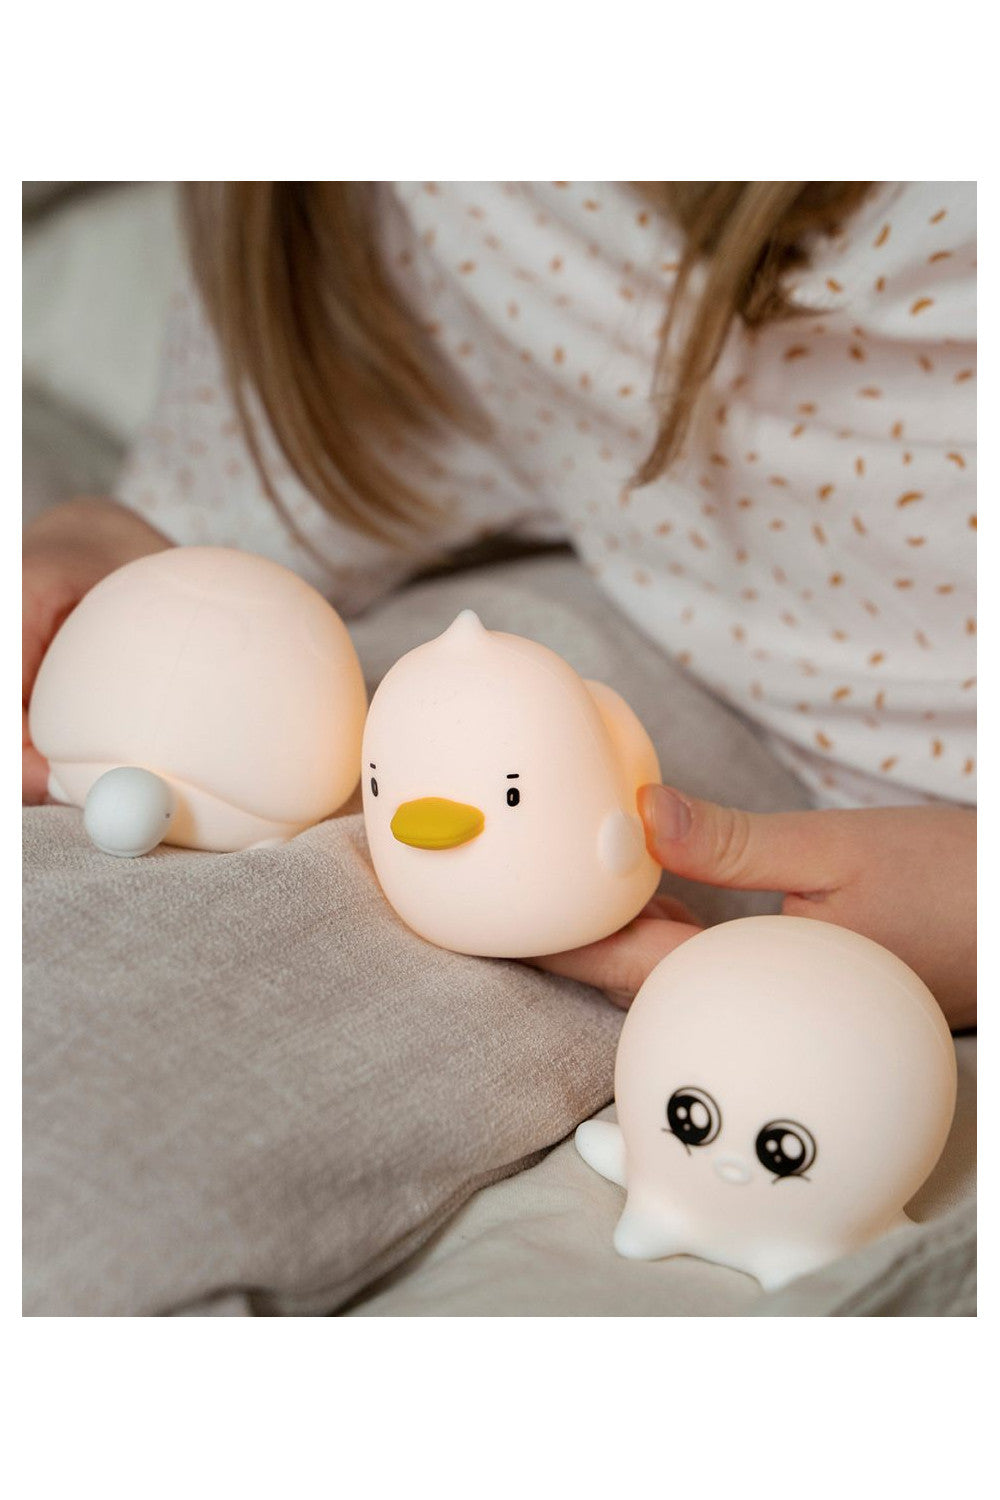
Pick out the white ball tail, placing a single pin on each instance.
(128, 811)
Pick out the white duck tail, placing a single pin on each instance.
(129, 811)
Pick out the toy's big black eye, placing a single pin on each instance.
(374, 787)
(693, 1116)
(513, 796)
(785, 1148)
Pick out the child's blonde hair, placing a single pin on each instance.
(311, 322)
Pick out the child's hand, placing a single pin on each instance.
(66, 551)
(905, 877)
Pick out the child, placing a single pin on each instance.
(748, 406)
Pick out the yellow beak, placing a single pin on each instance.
(436, 823)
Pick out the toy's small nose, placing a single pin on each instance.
(730, 1169)
(436, 823)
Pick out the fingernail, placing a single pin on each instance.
(668, 815)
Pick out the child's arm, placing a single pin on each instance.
(66, 551)
(904, 876)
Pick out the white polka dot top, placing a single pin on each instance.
(811, 558)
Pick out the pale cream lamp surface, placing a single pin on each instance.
(783, 1087)
(202, 697)
(500, 796)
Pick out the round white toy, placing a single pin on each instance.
(783, 1088)
(201, 697)
(500, 796)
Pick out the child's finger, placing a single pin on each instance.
(800, 852)
(619, 964)
(34, 769)
(668, 909)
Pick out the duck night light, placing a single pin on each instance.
(500, 797)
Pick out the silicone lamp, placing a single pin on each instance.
(202, 697)
(500, 796)
(783, 1088)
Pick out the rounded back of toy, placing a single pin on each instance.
(218, 670)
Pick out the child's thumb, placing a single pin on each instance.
(726, 846)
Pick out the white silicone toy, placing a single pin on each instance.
(201, 697)
(783, 1088)
(500, 797)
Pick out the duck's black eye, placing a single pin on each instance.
(374, 786)
(693, 1116)
(785, 1148)
(513, 796)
